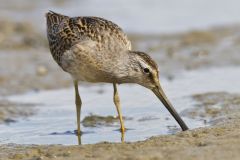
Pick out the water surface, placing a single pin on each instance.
(55, 120)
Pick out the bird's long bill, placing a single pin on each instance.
(160, 94)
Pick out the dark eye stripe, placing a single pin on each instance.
(150, 75)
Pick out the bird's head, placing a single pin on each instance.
(145, 72)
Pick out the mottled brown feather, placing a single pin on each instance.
(64, 32)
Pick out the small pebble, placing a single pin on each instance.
(42, 70)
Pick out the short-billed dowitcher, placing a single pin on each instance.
(93, 49)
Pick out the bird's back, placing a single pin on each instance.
(64, 32)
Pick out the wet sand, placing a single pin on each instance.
(174, 53)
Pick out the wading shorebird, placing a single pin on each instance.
(95, 50)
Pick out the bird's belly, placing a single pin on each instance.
(90, 75)
(83, 70)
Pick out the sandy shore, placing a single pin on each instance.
(174, 53)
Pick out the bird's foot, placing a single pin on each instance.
(122, 129)
(78, 132)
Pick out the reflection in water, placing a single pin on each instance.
(122, 137)
(79, 137)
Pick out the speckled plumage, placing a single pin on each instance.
(81, 43)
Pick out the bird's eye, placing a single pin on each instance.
(146, 70)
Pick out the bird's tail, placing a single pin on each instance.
(54, 19)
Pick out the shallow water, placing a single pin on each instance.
(55, 121)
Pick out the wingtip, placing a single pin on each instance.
(49, 13)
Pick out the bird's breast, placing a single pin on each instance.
(86, 63)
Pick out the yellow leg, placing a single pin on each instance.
(117, 104)
(78, 109)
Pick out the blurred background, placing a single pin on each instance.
(155, 16)
(196, 44)
(165, 29)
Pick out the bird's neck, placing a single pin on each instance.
(127, 71)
